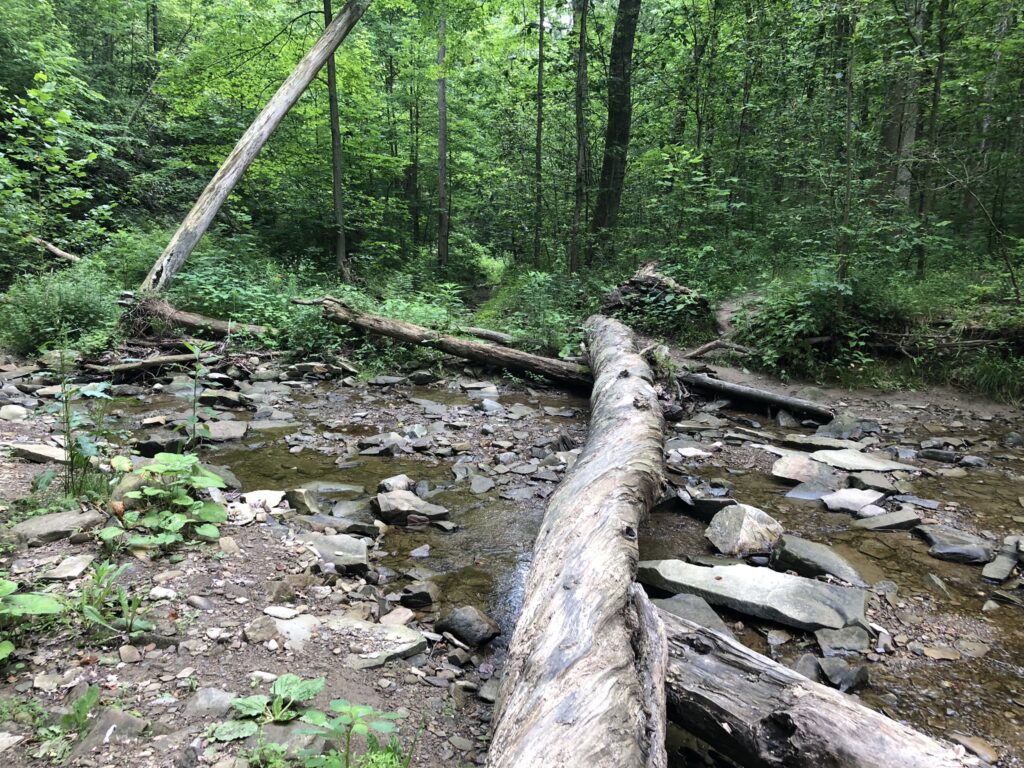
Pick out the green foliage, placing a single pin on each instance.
(16, 606)
(348, 720)
(109, 605)
(170, 510)
(542, 310)
(76, 719)
(996, 373)
(803, 324)
(287, 693)
(681, 319)
(78, 304)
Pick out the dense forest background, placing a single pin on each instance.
(857, 167)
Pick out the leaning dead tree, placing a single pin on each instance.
(212, 198)
(764, 715)
(584, 679)
(491, 354)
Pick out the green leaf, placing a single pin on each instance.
(234, 730)
(110, 533)
(8, 587)
(211, 513)
(251, 706)
(32, 604)
(207, 531)
(289, 686)
(121, 464)
(6, 649)
(92, 614)
(314, 717)
(204, 478)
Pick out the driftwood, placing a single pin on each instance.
(159, 361)
(53, 250)
(583, 680)
(506, 339)
(711, 346)
(212, 198)
(764, 715)
(794, 405)
(201, 324)
(504, 357)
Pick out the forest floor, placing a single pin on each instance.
(489, 451)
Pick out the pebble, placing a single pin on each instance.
(129, 654)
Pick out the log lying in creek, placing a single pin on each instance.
(159, 361)
(764, 715)
(584, 680)
(794, 405)
(500, 356)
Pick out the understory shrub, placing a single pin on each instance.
(814, 325)
(77, 304)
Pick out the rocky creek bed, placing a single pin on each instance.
(304, 582)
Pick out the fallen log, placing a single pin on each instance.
(794, 405)
(227, 176)
(507, 339)
(714, 344)
(201, 324)
(504, 357)
(581, 682)
(159, 361)
(53, 250)
(764, 715)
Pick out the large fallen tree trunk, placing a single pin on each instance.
(204, 326)
(794, 405)
(53, 250)
(505, 357)
(764, 715)
(582, 683)
(212, 198)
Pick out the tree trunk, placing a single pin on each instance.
(337, 190)
(581, 680)
(764, 715)
(502, 357)
(204, 326)
(538, 173)
(620, 116)
(412, 171)
(580, 12)
(762, 397)
(223, 182)
(848, 26)
(927, 186)
(442, 151)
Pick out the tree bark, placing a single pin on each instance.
(504, 357)
(442, 150)
(620, 117)
(337, 168)
(204, 326)
(53, 250)
(224, 181)
(927, 185)
(538, 154)
(764, 715)
(763, 397)
(160, 361)
(581, 681)
(581, 10)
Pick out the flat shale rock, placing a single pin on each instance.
(396, 507)
(373, 645)
(855, 461)
(56, 526)
(38, 453)
(901, 520)
(811, 559)
(695, 609)
(346, 553)
(851, 500)
(760, 592)
(957, 546)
